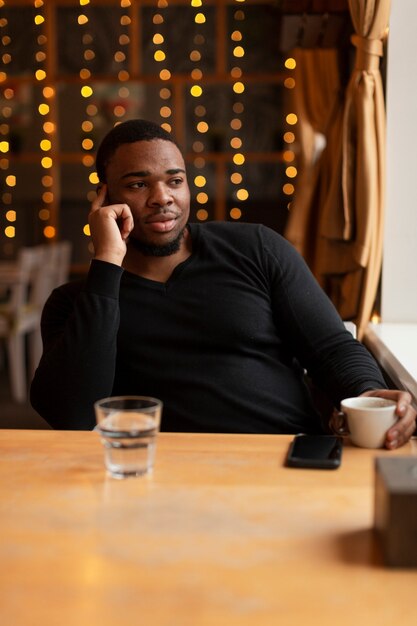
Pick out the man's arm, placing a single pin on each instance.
(79, 329)
(79, 333)
(337, 363)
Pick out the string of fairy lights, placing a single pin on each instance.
(122, 97)
(48, 132)
(7, 95)
(87, 92)
(240, 193)
(120, 106)
(160, 58)
(289, 137)
(200, 123)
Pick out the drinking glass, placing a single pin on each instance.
(128, 427)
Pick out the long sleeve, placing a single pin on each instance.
(337, 363)
(79, 328)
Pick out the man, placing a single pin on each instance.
(219, 320)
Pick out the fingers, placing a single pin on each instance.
(125, 221)
(401, 432)
(120, 213)
(100, 199)
(110, 226)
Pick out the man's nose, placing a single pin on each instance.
(160, 195)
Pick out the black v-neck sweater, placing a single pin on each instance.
(223, 343)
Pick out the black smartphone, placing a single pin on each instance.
(315, 451)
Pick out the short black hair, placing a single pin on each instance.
(127, 132)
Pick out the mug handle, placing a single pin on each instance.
(338, 424)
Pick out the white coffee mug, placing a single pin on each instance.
(368, 419)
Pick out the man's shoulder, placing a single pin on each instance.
(236, 230)
(70, 289)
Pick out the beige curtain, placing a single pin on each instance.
(337, 215)
(317, 100)
(348, 183)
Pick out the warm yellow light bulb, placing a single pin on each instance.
(290, 63)
(238, 159)
(46, 162)
(196, 91)
(43, 109)
(165, 112)
(289, 137)
(119, 110)
(291, 119)
(11, 216)
(49, 232)
(288, 189)
(86, 91)
(238, 87)
(202, 215)
(236, 35)
(49, 128)
(289, 83)
(165, 93)
(87, 143)
(242, 194)
(47, 181)
(238, 51)
(88, 160)
(291, 171)
(235, 213)
(200, 181)
(48, 197)
(288, 156)
(45, 145)
(44, 214)
(202, 197)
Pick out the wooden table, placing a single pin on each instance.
(221, 534)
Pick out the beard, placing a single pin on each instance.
(150, 249)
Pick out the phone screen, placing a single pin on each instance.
(315, 451)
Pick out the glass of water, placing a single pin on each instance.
(128, 427)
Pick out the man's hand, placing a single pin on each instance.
(401, 432)
(110, 227)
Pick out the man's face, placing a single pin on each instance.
(150, 177)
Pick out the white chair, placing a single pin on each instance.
(27, 285)
(57, 262)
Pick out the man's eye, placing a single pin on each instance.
(177, 181)
(137, 185)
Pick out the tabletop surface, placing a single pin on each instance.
(221, 533)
